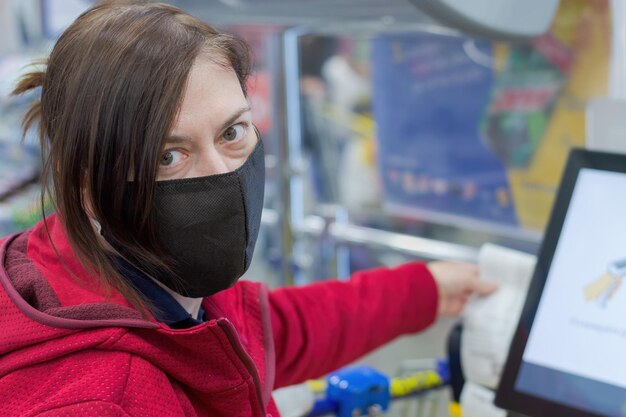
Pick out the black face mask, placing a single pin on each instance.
(209, 226)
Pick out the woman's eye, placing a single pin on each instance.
(234, 133)
(170, 157)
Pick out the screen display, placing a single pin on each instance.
(575, 354)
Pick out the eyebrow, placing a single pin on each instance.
(236, 115)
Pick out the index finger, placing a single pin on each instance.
(483, 287)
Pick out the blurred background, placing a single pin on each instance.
(390, 134)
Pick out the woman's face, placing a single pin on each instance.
(213, 131)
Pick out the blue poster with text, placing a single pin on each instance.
(430, 95)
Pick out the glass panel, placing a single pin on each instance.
(264, 87)
(444, 136)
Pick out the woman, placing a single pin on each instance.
(125, 302)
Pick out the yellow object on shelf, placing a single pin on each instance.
(398, 387)
(419, 381)
(318, 386)
(455, 409)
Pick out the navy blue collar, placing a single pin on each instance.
(168, 310)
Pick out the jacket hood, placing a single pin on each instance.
(41, 295)
(51, 308)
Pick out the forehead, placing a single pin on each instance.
(211, 95)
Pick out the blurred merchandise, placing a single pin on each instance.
(12, 108)
(22, 210)
(18, 166)
(20, 160)
(362, 390)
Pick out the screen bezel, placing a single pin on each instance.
(507, 396)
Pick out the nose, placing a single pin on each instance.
(211, 162)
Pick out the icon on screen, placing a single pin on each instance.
(604, 288)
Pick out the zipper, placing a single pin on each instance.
(235, 342)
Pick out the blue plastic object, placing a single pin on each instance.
(443, 369)
(356, 389)
(322, 407)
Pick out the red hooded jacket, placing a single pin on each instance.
(68, 349)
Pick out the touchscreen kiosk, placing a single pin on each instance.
(568, 354)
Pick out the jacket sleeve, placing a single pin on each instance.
(321, 327)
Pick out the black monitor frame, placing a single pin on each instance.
(507, 397)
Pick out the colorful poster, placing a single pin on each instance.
(579, 45)
(477, 131)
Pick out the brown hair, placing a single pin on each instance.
(110, 92)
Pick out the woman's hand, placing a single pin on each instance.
(457, 281)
